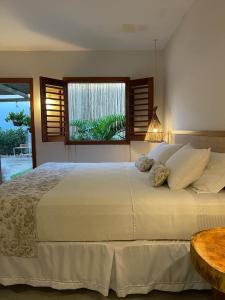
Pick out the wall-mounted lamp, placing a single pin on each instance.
(155, 132)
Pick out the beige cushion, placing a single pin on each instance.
(163, 151)
(144, 163)
(158, 174)
(213, 178)
(186, 166)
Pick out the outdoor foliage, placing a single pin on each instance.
(16, 118)
(11, 138)
(19, 119)
(107, 128)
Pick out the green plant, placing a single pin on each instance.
(27, 122)
(16, 118)
(11, 138)
(103, 129)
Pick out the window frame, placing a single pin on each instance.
(125, 80)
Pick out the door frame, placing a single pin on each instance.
(30, 82)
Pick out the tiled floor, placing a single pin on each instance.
(12, 165)
(29, 293)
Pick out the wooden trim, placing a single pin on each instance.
(95, 79)
(43, 112)
(56, 138)
(16, 80)
(215, 133)
(125, 80)
(127, 111)
(33, 124)
(55, 99)
(119, 142)
(45, 83)
(141, 81)
(140, 110)
(30, 82)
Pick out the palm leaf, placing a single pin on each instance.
(102, 129)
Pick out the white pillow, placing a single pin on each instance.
(163, 151)
(186, 166)
(213, 178)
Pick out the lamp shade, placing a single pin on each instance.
(155, 131)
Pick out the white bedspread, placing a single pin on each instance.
(104, 202)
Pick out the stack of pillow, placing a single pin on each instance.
(182, 165)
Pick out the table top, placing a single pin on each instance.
(208, 256)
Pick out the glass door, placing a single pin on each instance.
(16, 128)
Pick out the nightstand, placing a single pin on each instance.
(208, 258)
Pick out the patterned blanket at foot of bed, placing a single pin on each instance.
(18, 202)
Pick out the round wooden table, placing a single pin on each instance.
(208, 257)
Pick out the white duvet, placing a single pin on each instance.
(114, 201)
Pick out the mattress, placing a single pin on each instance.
(114, 201)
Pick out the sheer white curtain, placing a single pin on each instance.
(89, 101)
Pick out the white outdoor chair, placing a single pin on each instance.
(21, 148)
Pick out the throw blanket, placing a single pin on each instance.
(18, 201)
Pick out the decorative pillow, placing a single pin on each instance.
(163, 151)
(144, 163)
(213, 178)
(158, 174)
(186, 166)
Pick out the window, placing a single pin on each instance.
(98, 110)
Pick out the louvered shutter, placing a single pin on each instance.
(141, 107)
(52, 109)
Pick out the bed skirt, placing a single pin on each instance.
(133, 267)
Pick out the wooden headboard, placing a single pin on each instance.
(199, 139)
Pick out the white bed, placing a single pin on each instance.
(103, 227)
(115, 202)
(131, 267)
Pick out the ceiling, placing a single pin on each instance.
(67, 25)
(13, 92)
(14, 88)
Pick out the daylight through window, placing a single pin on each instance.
(97, 111)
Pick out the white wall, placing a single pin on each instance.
(195, 70)
(97, 63)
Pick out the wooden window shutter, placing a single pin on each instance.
(52, 93)
(141, 107)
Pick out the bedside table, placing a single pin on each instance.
(208, 257)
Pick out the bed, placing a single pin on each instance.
(101, 226)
